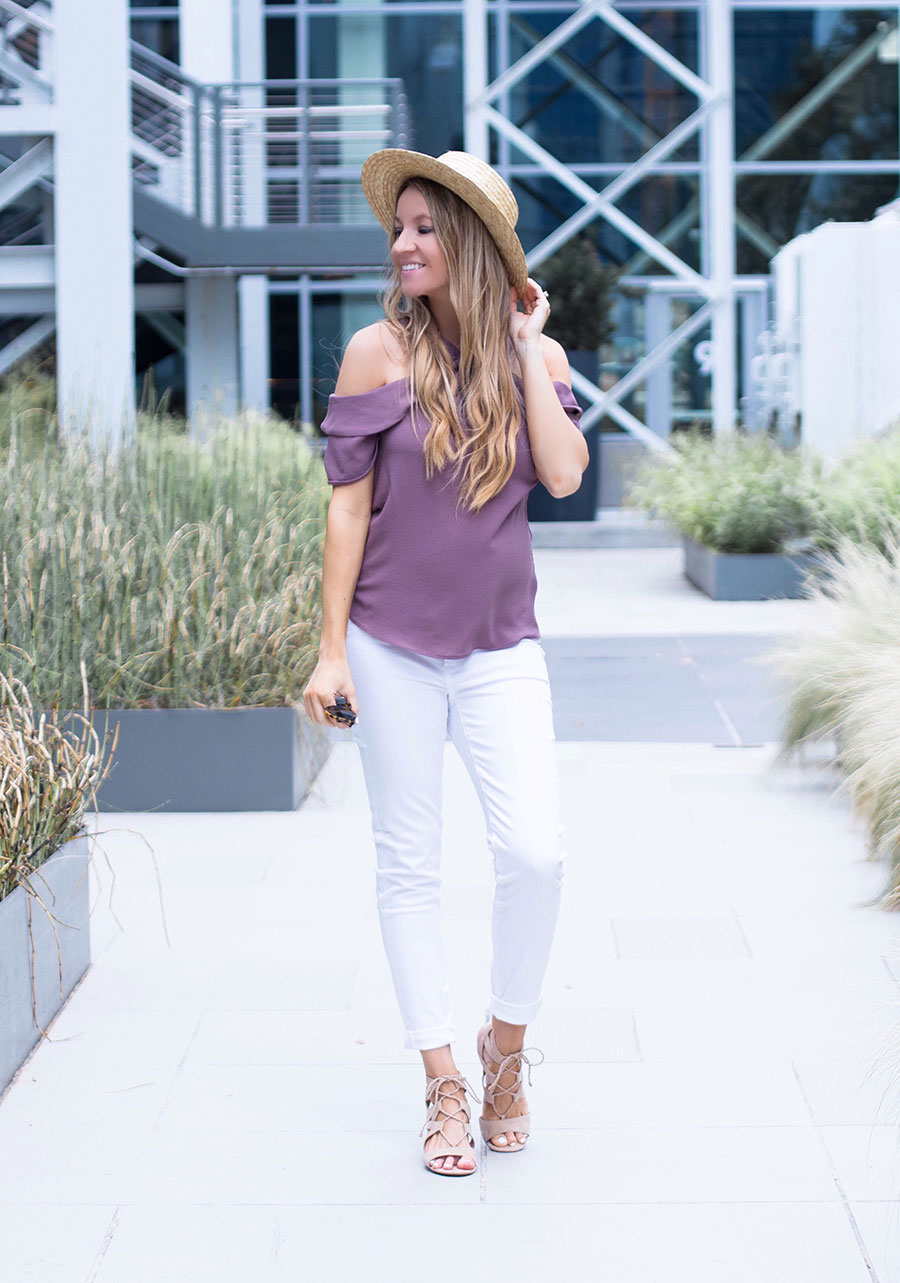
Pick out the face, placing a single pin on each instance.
(415, 249)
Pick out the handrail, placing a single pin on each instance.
(171, 69)
(33, 19)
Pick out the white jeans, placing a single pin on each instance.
(495, 705)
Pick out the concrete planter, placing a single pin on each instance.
(62, 884)
(728, 576)
(209, 759)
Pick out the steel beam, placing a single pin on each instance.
(638, 373)
(31, 166)
(719, 202)
(556, 169)
(26, 342)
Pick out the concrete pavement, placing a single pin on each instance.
(720, 1030)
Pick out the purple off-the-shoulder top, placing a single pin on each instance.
(436, 578)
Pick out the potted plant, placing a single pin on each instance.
(183, 572)
(580, 289)
(747, 511)
(47, 777)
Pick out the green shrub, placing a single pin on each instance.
(860, 496)
(732, 494)
(178, 571)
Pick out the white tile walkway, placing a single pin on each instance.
(720, 1099)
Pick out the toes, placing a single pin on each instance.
(500, 1140)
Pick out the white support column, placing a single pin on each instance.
(212, 343)
(207, 40)
(212, 352)
(475, 66)
(93, 219)
(719, 211)
(253, 319)
(249, 52)
(253, 291)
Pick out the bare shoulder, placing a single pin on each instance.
(556, 360)
(370, 360)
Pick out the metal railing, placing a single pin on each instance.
(26, 44)
(257, 153)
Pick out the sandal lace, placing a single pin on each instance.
(439, 1093)
(507, 1065)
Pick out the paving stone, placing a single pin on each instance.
(679, 938)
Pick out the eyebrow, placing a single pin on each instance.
(417, 218)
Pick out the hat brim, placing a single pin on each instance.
(385, 172)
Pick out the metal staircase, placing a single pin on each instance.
(246, 177)
(259, 175)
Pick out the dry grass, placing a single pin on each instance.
(49, 770)
(176, 572)
(842, 684)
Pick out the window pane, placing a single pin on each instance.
(665, 206)
(284, 327)
(781, 61)
(598, 98)
(281, 49)
(158, 34)
(772, 210)
(424, 51)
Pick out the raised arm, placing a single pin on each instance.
(558, 448)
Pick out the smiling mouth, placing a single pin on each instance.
(407, 268)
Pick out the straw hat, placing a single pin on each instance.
(483, 190)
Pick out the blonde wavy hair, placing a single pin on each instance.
(482, 454)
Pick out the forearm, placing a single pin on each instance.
(558, 448)
(345, 541)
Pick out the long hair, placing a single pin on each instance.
(483, 397)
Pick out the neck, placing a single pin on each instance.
(445, 316)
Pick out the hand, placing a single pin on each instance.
(330, 678)
(525, 327)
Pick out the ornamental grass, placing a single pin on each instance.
(842, 687)
(174, 571)
(48, 774)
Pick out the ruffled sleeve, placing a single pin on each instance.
(354, 425)
(568, 401)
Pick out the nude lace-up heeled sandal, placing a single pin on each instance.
(443, 1108)
(489, 1053)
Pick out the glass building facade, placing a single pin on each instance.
(815, 125)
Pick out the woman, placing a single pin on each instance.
(445, 415)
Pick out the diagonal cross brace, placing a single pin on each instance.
(619, 185)
(589, 10)
(25, 171)
(636, 375)
(586, 193)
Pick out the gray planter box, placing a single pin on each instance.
(62, 884)
(729, 576)
(209, 759)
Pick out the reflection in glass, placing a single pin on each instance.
(424, 51)
(785, 109)
(597, 98)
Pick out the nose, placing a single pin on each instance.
(405, 241)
